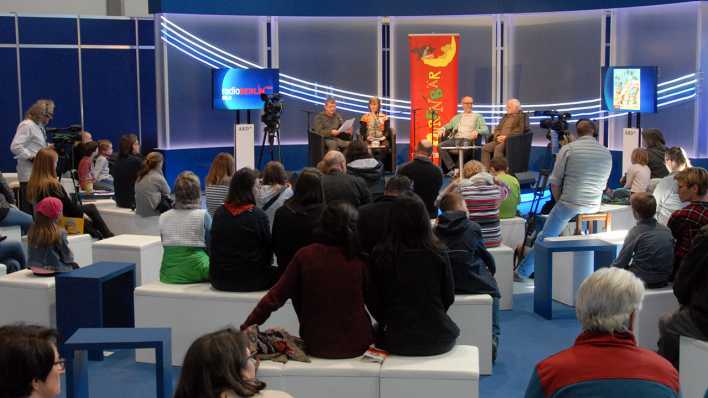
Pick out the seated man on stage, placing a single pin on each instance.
(327, 124)
(461, 130)
(514, 122)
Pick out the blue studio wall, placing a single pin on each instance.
(99, 71)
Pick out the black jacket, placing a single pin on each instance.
(292, 230)
(472, 266)
(340, 186)
(371, 171)
(373, 221)
(125, 172)
(410, 297)
(427, 179)
(691, 282)
(240, 251)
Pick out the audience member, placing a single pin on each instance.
(666, 191)
(44, 183)
(125, 170)
(638, 174)
(296, 220)
(692, 184)
(605, 360)
(152, 193)
(427, 178)
(691, 290)
(241, 249)
(101, 167)
(514, 122)
(374, 218)
(218, 180)
(47, 243)
(338, 185)
(184, 231)
(327, 124)
(473, 267)
(578, 179)
(30, 365)
(273, 189)
(498, 167)
(413, 286)
(655, 145)
(86, 178)
(483, 196)
(11, 255)
(361, 163)
(327, 283)
(9, 213)
(220, 365)
(29, 139)
(648, 248)
(79, 148)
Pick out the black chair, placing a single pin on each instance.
(518, 152)
(315, 147)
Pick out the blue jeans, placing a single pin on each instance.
(11, 255)
(17, 217)
(557, 220)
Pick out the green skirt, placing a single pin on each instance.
(184, 265)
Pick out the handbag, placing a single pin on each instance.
(166, 203)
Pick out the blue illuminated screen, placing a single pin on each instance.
(629, 88)
(234, 89)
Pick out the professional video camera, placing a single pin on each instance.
(557, 128)
(273, 107)
(65, 135)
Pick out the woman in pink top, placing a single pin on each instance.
(86, 177)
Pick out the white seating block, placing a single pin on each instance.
(27, 298)
(13, 232)
(195, 309)
(3, 269)
(473, 315)
(513, 230)
(504, 260)
(450, 375)
(656, 303)
(321, 378)
(693, 361)
(143, 250)
(124, 221)
(81, 247)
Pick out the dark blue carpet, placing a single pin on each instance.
(526, 339)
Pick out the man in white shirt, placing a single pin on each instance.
(463, 129)
(29, 138)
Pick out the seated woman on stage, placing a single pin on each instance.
(327, 283)
(374, 126)
(412, 285)
(273, 189)
(241, 250)
(151, 187)
(362, 164)
(125, 170)
(44, 183)
(218, 180)
(185, 234)
(483, 195)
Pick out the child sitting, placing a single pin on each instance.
(498, 167)
(483, 193)
(638, 174)
(648, 249)
(103, 178)
(47, 244)
(86, 178)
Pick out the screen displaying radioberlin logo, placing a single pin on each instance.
(234, 89)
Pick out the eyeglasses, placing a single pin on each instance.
(60, 363)
(468, 103)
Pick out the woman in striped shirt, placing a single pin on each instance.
(483, 195)
(218, 180)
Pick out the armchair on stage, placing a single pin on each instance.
(386, 154)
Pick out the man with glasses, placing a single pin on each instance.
(462, 130)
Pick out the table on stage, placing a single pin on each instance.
(460, 153)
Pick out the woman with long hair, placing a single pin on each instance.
(241, 252)
(151, 188)
(295, 221)
(125, 170)
(327, 283)
(218, 180)
(653, 141)
(44, 183)
(273, 189)
(220, 365)
(413, 285)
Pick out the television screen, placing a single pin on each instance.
(629, 88)
(234, 89)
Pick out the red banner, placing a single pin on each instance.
(433, 60)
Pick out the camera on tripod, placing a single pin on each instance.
(65, 135)
(272, 110)
(557, 128)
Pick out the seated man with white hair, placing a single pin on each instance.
(605, 360)
(514, 122)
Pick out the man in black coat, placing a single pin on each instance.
(427, 178)
(338, 185)
(473, 266)
(375, 217)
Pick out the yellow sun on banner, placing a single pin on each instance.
(448, 54)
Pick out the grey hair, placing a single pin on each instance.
(187, 191)
(607, 298)
(516, 102)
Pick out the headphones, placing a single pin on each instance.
(594, 126)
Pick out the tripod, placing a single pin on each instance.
(272, 133)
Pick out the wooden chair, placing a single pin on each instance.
(590, 219)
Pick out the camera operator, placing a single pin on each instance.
(29, 139)
(579, 176)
